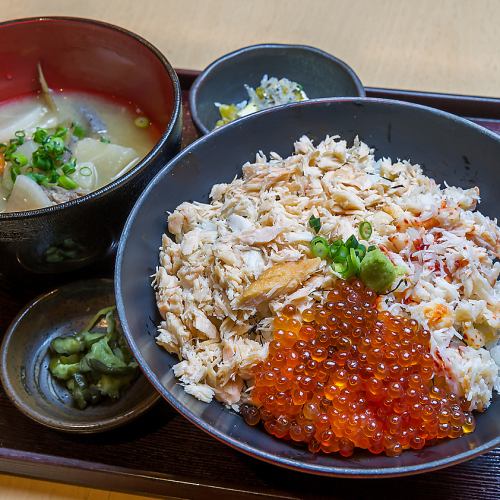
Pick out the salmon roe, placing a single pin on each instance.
(343, 375)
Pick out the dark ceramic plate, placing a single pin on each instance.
(446, 146)
(24, 362)
(321, 75)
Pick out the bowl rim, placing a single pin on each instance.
(201, 78)
(331, 471)
(143, 163)
(99, 426)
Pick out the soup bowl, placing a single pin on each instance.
(90, 56)
(464, 155)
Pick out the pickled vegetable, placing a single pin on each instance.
(95, 363)
(271, 92)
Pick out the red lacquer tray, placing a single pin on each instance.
(163, 454)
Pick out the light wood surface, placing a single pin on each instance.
(443, 46)
(17, 488)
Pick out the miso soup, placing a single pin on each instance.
(59, 146)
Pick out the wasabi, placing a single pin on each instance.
(377, 271)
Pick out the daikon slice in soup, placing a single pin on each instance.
(58, 146)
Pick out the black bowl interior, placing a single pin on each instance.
(321, 75)
(446, 146)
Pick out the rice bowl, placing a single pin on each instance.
(260, 220)
(368, 116)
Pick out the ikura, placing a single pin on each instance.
(342, 375)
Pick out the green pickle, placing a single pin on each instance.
(94, 363)
(67, 345)
(111, 385)
(61, 370)
(90, 338)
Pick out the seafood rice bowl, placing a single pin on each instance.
(261, 252)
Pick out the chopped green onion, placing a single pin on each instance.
(60, 132)
(334, 248)
(78, 131)
(85, 171)
(40, 135)
(371, 248)
(41, 160)
(52, 177)
(15, 170)
(55, 146)
(354, 261)
(351, 267)
(142, 122)
(9, 149)
(365, 230)
(38, 178)
(69, 167)
(46, 165)
(66, 182)
(340, 267)
(315, 223)
(319, 247)
(351, 242)
(341, 255)
(360, 251)
(104, 140)
(19, 159)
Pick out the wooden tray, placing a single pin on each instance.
(163, 454)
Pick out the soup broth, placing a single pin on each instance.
(59, 146)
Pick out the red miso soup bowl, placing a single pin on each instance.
(95, 57)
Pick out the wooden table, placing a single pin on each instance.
(448, 46)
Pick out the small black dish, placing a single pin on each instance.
(321, 75)
(24, 362)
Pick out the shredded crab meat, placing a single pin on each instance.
(217, 320)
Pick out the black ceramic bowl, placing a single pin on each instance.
(85, 55)
(24, 362)
(449, 148)
(321, 75)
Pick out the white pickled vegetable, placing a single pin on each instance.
(26, 195)
(110, 160)
(248, 110)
